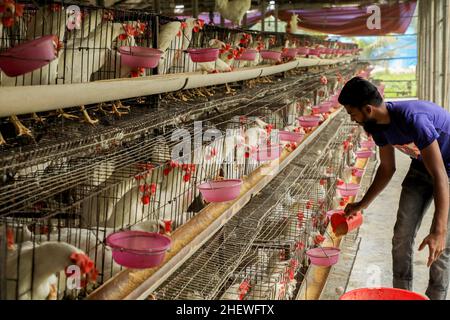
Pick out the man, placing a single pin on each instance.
(420, 129)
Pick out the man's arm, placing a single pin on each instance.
(436, 240)
(384, 174)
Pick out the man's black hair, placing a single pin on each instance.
(358, 92)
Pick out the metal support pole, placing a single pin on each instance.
(195, 8)
(155, 36)
(263, 15)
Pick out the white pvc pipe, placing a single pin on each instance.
(28, 99)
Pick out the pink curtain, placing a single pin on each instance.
(352, 21)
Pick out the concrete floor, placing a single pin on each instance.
(373, 264)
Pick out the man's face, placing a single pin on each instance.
(360, 116)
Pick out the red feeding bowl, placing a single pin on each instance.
(309, 121)
(247, 55)
(220, 190)
(140, 57)
(270, 54)
(381, 294)
(291, 136)
(303, 51)
(28, 56)
(348, 189)
(364, 154)
(204, 54)
(138, 249)
(289, 52)
(342, 225)
(324, 257)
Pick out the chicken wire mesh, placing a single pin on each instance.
(259, 253)
(74, 185)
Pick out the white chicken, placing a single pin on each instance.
(169, 43)
(35, 274)
(233, 10)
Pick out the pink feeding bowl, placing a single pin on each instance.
(357, 172)
(138, 249)
(247, 55)
(381, 294)
(204, 54)
(270, 54)
(140, 57)
(369, 144)
(364, 154)
(268, 153)
(303, 51)
(309, 121)
(289, 53)
(325, 257)
(220, 190)
(291, 136)
(326, 106)
(315, 52)
(28, 56)
(348, 189)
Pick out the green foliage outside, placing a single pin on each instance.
(398, 85)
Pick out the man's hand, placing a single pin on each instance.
(436, 243)
(352, 208)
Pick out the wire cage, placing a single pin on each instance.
(139, 164)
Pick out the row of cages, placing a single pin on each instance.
(260, 253)
(53, 43)
(150, 184)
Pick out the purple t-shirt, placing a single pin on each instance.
(414, 125)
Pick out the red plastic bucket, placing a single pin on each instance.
(138, 249)
(247, 55)
(309, 121)
(291, 136)
(342, 225)
(270, 54)
(140, 57)
(325, 257)
(204, 54)
(28, 56)
(381, 294)
(220, 190)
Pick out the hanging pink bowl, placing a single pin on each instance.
(303, 51)
(348, 189)
(268, 153)
(138, 249)
(247, 55)
(289, 53)
(364, 154)
(220, 190)
(369, 144)
(28, 56)
(381, 294)
(325, 257)
(357, 172)
(309, 121)
(291, 136)
(140, 57)
(326, 106)
(270, 54)
(204, 54)
(315, 52)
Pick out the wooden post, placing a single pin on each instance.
(263, 15)
(276, 16)
(157, 5)
(195, 8)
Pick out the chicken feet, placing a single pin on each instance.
(86, 116)
(21, 130)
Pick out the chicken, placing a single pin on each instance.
(21, 130)
(169, 43)
(232, 293)
(37, 267)
(233, 10)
